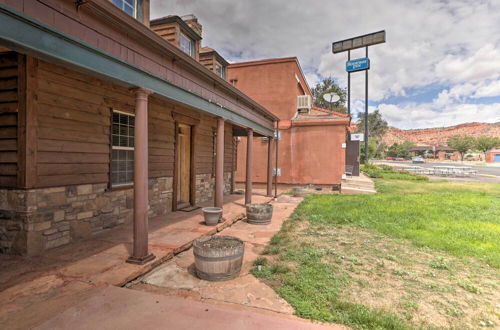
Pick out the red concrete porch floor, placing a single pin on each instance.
(33, 289)
(79, 278)
(119, 308)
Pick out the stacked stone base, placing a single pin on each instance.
(35, 220)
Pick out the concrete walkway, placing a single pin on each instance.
(361, 184)
(119, 308)
(37, 288)
(74, 287)
(177, 276)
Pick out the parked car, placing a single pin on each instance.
(417, 159)
(389, 158)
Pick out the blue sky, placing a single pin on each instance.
(439, 66)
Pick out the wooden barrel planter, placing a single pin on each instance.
(218, 258)
(299, 192)
(259, 214)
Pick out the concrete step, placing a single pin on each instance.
(359, 183)
(353, 191)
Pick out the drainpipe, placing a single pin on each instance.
(269, 167)
(219, 164)
(276, 174)
(249, 171)
(140, 254)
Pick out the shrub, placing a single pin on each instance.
(386, 172)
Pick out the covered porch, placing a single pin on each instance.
(62, 79)
(81, 261)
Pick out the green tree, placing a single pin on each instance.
(461, 143)
(485, 143)
(328, 85)
(372, 149)
(377, 126)
(400, 150)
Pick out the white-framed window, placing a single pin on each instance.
(122, 149)
(220, 70)
(128, 6)
(187, 45)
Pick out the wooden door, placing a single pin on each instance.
(183, 165)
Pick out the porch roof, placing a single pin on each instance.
(27, 35)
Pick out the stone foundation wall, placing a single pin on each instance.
(39, 219)
(205, 186)
(35, 220)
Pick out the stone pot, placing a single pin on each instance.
(259, 214)
(212, 215)
(299, 192)
(218, 258)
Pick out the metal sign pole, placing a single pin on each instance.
(349, 86)
(366, 112)
(361, 64)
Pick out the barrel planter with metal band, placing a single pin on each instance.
(259, 214)
(218, 258)
(299, 192)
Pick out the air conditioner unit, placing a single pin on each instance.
(304, 103)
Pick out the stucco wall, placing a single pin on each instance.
(307, 154)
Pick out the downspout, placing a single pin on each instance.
(277, 123)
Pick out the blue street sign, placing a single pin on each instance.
(359, 64)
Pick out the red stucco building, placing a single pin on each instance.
(493, 156)
(311, 145)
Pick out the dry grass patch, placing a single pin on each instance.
(419, 287)
(422, 286)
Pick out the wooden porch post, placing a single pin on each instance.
(269, 167)
(219, 164)
(140, 253)
(249, 171)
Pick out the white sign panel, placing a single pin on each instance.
(357, 137)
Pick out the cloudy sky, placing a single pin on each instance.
(439, 67)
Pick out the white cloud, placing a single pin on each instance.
(489, 90)
(429, 42)
(428, 115)
(483, 64)
(312, 79)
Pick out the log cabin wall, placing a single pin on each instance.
(169, 32)
(208, 61)
(9, 105)
(69, 144)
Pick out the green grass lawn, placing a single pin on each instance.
(463, 220)
(416, 255)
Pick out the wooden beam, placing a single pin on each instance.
(27, 122)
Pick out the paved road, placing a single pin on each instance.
(488, 170)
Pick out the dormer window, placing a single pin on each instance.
(128, 6)
(220, 70)
(187, 45)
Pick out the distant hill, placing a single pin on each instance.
(439, 136)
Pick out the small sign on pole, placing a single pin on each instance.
(357, 137)
(359, 64)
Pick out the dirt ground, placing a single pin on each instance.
(425, 287)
